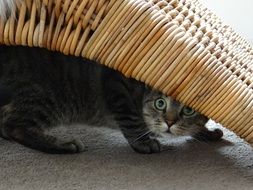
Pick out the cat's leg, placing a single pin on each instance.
(5, 99)
(3, 112)
(31, 129)
(137, 134)
(133, 127)
(36, 137)
(124, 100)
(205, 134)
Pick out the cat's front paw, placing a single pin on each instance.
(147, 147)
(73, 146)
(208, 135)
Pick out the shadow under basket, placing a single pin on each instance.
(176, 46)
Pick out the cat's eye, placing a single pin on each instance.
(160, 104)
(188, 111)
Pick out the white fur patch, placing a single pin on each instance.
(7, 7)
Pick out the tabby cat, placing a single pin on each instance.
(50, 89)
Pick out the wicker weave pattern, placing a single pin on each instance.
(176, 46)
(64, 26)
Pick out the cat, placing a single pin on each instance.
(50, 89)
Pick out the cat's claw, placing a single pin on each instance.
(147, 147)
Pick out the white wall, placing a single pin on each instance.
(237, 13)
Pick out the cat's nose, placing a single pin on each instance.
(170, 123)
(171, 119)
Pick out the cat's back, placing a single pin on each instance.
(39, 63)
(71, 84)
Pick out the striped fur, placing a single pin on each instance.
(50, 89)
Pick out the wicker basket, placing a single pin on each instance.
(176, 46)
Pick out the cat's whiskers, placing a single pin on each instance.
(141, 136)
(202, 141)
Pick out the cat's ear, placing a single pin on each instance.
(147, 86)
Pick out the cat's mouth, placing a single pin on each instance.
(169, 125)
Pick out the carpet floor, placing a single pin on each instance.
(110, 164)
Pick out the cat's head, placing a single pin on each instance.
(163, 114)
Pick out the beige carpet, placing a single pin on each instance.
(109, 163)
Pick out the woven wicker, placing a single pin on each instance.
(176, 46)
